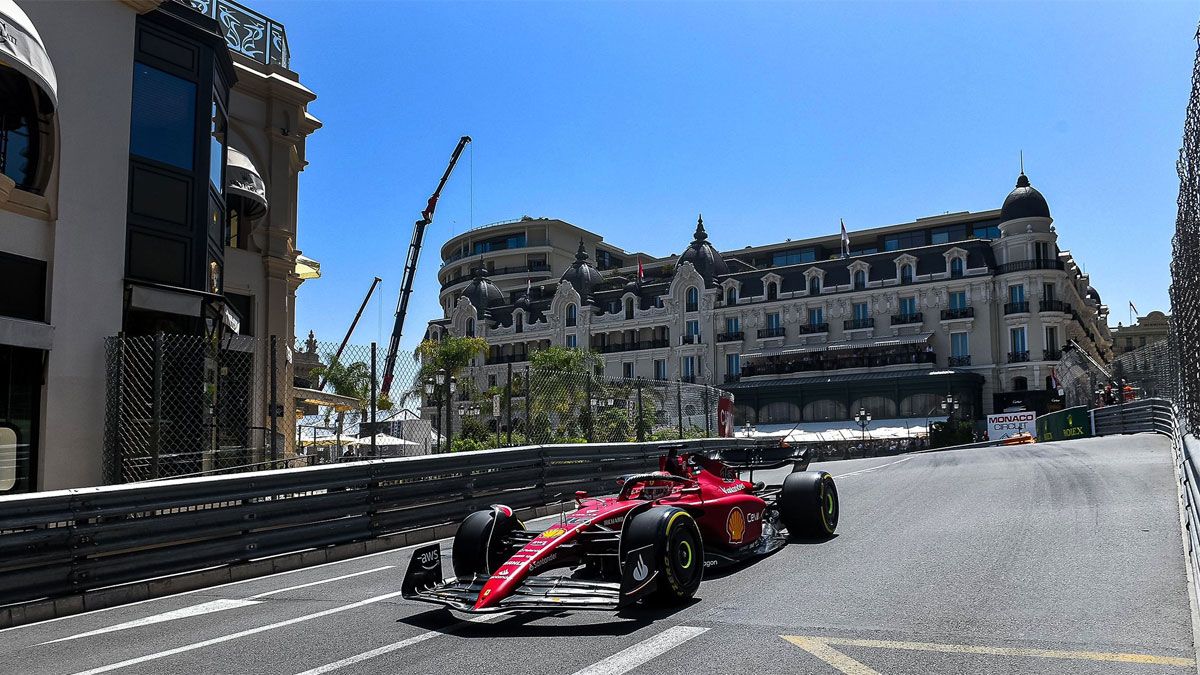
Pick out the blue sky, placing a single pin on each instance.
(773, 119)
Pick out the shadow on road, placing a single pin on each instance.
(606, 624)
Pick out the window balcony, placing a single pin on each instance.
(1026, 265)
(1016, 307)
(810, 328)
(1051, 355)
(956, 361)
(958, 313)
(247, 32)
(690, 379)
(777, 332)
(617, 347)
(737, 336)
(858, 324)
(506, 358)
(1018, 357)
(901, 319)
(826, 361)
(1054, 306)
(691, 339)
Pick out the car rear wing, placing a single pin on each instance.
(749, 455)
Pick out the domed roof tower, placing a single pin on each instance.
(483, 294)
(1024, 202)
(581, 275)
(704, 256)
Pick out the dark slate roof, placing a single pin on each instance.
(704, 256)
(789, 383)
(1024, 202)
(482, 293)
(581, 275)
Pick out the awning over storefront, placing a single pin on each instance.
(317, 397)
(165, 301)
(307, 268)
(242, 179)
(915, 339)
(21, 49)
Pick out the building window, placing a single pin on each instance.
(163, 126)
(689, 367)
(1016, 293)
(816, 315)
(732, 324)
(471, 327)
(731, 296)
(733, 364)
(572, 315)
(908, 306)
(1048, 292)
(904, 240)
(861, 311)
(520, 322)
(960, 345)
(693, 299)
(628, 308)
(772, 291)
(947, 234)
(21, 153)
(958, 300)
(572, 342)
(986, 230)
(1020, 384)
(660, 369)
(627, 370)
(773, 321)
(1016, 339)
(1042, 250)
(956, 267)
(906, 274)
(20, 397)
(794, 256)
(691, 328)
(1052, 338)
(860, 280)
(814, 285)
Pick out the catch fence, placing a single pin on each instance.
(186, 405)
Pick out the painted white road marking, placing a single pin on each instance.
(186, 612)
(632, 657)
(873, 468)
(319, 582)
(240, 634)
(396, 646)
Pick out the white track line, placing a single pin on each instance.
(173, 615)
(632, 657)
(397, 646)
(233, 636)
(873, 468)
(318, 583)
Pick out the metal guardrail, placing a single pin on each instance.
(61, 543)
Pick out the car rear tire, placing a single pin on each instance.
(808, 504)
(676, 545)
(481, 543)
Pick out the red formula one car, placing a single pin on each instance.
(652, 541)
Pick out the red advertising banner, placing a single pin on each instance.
(725, 417)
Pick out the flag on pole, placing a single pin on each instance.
(1132, 307)
(641, 271)
(529, 288)
(845, 240)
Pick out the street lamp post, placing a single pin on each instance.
(864, 419)
(748, 431)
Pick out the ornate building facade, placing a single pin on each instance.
(976, 305)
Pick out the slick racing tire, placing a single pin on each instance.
(481, 543)
(676, 545)
(808, 504)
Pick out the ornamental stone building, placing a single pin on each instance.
(977, 305)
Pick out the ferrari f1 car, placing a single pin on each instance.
(650, 543)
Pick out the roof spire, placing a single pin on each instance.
(581, 255)
(700, 235)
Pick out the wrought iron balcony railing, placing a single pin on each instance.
(808, 328)
(736, 336)
(1016, 307)
(955, 361)
(901, 319)
(1018, 357)
(778, 331)
(1051, 355)
(247, 32)
(1053, 306)
(691, 339)
(958, 313)
(856, 324)
(1026, 265)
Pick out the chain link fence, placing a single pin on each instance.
(184, 405)
(1185, 265)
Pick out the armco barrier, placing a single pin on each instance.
(60, 543)
(1064, 424)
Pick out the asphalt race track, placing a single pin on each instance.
(1049, 558)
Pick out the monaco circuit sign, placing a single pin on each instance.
(1003, 425)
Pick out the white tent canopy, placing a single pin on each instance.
(831, 432)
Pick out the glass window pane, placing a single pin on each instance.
(163, 124)
(216, 152)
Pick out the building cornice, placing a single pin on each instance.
(142, 6)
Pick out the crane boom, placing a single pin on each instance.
(410, 268)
